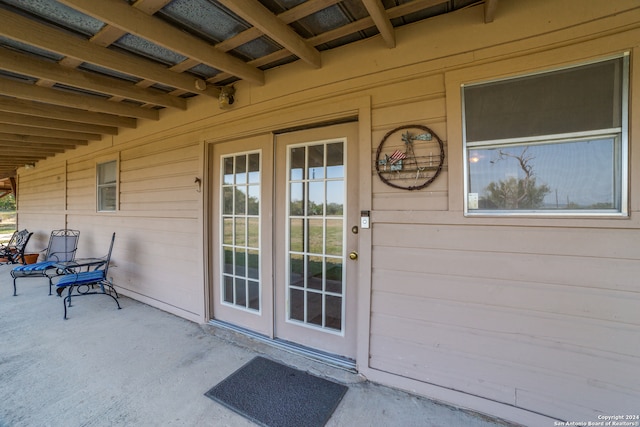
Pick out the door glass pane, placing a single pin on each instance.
(314, 308)
(333, 275)
(254, 295)
(227, 231)
(296, 196)
(315, 272)
(333, 308)
(316, 234)
(296, 234)
(315, 200)
(241, 200)
(228, 289)
(296, 270)
(228, 260)
(335, 160)
(334, 237)
(253, 232)
(335, 197)
(253, 200)
(253, 264)
(240, 231)
(315, 231)
(296, 170)
(227, 200)
(241, 263)
(227, 176)
(241, 292)
(296, 304)
(254, 168)
(241, 170)
(316, 162)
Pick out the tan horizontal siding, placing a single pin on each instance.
(155, 257)
(575, 241)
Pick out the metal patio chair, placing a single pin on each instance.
(85, 282)
(11, 243)
(63, 245)
(13, 252)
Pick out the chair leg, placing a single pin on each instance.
(67, 299)
(14, 287)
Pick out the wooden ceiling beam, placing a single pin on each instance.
(134, 21)
(38, 109)
(294, 14)
(9, 152)
(32, 140)
(413, 6)
(21, 29)
(305, 9)
(354, 27)
(262, 18)
(364, 23)
(63, 134)
(41, 122)
(18, 161)
(20, 63)
(383, 23)
(40, 148)
(58, 97)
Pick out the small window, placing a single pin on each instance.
(549, 143)
(107, 186)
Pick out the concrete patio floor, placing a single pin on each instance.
(140, 366)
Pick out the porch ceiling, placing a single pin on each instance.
(72, 71)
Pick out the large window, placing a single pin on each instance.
(107, 174)
(550, 143)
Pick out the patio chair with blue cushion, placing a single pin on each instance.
(63, 245)
(85, 282)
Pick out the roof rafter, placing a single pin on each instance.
(30, 150)
(38, 109)
(41, 122)
(134, 21)
(40, 140)
(58, 97)
(383, 23)
(24, 30)
(262, 18)
(62, 134)
(331, 35)
(24, 64)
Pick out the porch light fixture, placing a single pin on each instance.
(225, 99)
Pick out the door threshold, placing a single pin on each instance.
(311, 353)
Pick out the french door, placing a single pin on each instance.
(287, 240)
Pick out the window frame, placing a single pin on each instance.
(621, 133)
(114, 184)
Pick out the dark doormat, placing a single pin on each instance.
(275, 395)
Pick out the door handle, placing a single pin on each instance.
(353, 255)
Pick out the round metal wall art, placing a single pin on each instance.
(409, 157)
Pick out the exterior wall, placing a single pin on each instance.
(495, 314)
